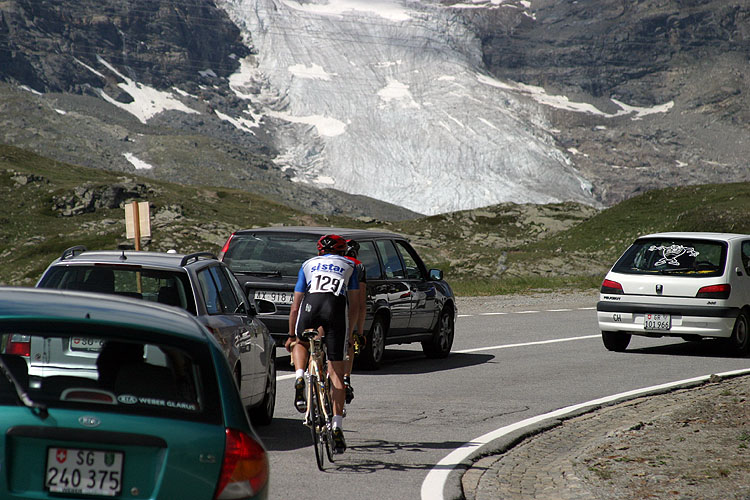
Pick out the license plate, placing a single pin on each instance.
(84, 472)
(85, 344)
(285, 298)
(659, 322)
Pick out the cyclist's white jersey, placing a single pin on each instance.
(327, 274)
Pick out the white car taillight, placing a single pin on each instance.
(609, 286)
(714, 292)
(19, 345)
(244, 471)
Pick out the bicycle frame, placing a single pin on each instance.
(317, 371)
(319, 400)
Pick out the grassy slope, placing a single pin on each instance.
(499, 249)
(32, 233)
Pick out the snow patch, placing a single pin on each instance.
(147, 101)
(326, 126)
(138, 164)
(239, 123)
(313, 72)
(29, 89)
(391, 10)
(562, 102)
(397, 91)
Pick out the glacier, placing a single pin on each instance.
(390, 99)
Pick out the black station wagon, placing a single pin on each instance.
(406, 302)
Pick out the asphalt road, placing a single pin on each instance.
(407, 416)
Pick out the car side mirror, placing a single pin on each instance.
(738, 271)
(263, 306)
(436, 274)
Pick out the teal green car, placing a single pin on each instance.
(109, 397)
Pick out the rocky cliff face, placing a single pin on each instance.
(143, 85)
(161, 43)
(693, 53)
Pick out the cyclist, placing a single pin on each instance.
(324, 285)
(352, 252)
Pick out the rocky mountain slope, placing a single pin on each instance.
(634, 95)
(691, 54)
(143, 86)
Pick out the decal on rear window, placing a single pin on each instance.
(671, 253)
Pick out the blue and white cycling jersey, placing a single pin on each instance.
(327, 274)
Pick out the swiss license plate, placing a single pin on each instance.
(274, 296)
(85, 344)
(659, 322)
(83, 471)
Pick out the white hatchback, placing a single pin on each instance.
(688, 285)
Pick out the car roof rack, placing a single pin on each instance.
(73, 251)
(196, 256)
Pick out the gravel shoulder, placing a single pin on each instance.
(536, 300)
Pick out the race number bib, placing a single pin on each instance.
(326, 283)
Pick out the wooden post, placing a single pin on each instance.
(137, 226)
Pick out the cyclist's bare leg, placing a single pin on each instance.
(336, 371)
(300, 355)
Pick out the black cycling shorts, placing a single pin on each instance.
(332, 313)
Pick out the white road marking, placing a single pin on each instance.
(434, 484)
(507, 346)
(525, 312)
(525, 344)
(490, 348)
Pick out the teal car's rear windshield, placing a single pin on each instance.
(679, 257)
(279, 254)
(87, 369)
(168, 287)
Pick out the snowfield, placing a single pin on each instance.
(389, 99)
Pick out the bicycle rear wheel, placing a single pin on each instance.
(317, 421)
(328, 434)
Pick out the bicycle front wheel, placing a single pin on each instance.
(317, 421)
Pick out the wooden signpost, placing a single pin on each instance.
(137, 211)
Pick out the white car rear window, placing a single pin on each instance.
(682, 257)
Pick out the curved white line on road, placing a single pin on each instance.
(433, 485)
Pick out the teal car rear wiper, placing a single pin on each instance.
(36, 408)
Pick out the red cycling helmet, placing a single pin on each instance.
(352, 248)
(332, 243)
